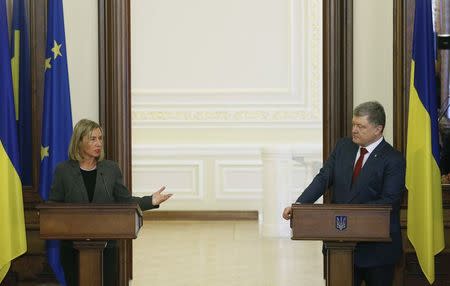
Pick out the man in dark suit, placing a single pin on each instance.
(365, 170)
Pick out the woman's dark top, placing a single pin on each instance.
(89, 178)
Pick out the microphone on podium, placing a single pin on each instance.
(104, 184)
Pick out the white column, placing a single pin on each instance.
(277, 173)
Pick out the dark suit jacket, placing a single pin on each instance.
(381, 181)
(68, 185)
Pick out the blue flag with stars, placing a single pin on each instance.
(57, 115)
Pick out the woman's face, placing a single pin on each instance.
(92, 145)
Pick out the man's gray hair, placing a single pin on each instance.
(374, 111)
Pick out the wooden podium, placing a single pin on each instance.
(90, 226)
(340, 227)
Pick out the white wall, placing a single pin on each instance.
(221, 64)
(373, 55)
(81, 27)
(213, 83)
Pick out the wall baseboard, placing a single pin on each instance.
(201, 215)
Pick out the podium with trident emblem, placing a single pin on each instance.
(340, 227)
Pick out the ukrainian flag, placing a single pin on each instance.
(57, 115)
(425, 221)
(12, 229)
(20, 63)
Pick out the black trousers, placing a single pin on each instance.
(69, 262)
(382, 275)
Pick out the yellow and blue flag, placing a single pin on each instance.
(20, 63)
(12, 235)
(423, 180)
(57, 115)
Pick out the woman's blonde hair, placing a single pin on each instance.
(83, 129)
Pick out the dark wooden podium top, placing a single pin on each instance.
(340, 222)
(89, 221)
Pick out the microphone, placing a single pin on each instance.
(106, 187)
(443, 111)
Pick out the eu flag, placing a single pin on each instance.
(12, 225)
(423, 180)
(20, 63)
(57, 115)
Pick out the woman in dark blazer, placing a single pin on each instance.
(87, 178)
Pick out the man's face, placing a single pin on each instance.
(363, 132)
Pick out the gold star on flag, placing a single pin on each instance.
(47, 63)
(44, 152)
(56, 49)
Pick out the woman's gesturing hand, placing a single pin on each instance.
(158, 197)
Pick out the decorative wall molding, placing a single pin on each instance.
(141, 151)
(183, 177)
(217, 177)
(299, 151)
(225, 118)
(238, 180)
(218, 96)
(298, 104)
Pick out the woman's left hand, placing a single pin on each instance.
(158, 198)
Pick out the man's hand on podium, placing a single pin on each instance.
(158, 198)
(287, 213)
